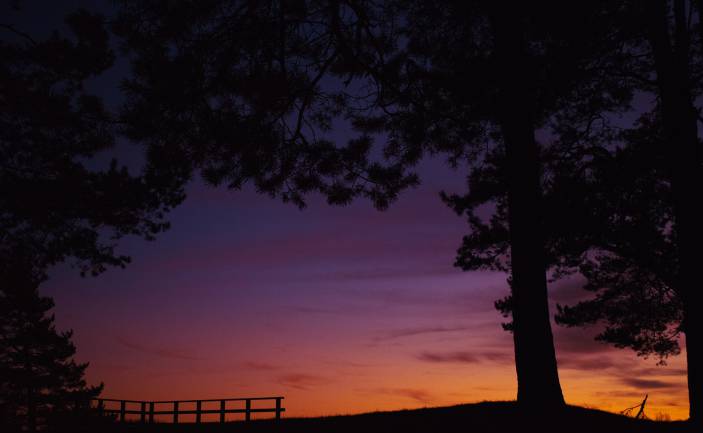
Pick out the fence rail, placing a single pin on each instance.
(148, 409)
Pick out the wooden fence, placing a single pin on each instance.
(147, 410)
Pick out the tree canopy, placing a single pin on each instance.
(56, 202)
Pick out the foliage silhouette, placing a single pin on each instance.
(632, 265)
(54, 204)
(41, 386)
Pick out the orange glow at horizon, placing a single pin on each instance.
(335, 386)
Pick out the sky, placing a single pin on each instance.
(339, 310)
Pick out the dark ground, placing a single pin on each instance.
(493, 417)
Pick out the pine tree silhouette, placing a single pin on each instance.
(41, 385)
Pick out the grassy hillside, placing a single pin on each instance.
(488, 417)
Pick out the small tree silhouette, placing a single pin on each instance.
(41, 385)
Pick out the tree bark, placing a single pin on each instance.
(31, 410)
(535, 359)
(681, 133)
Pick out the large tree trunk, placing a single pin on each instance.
(681, 133)
(31, 410)
(535, 359)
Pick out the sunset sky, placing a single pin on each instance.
(339, 310)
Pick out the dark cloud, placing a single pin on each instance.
(661, 371)
(453, 357)
(156, 351)
(301, 381)
(645, 384)
(351, 364)
(499, 357)
(263, 366)
(465, 357)
(619, 394)
(417, 394)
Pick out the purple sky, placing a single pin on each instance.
(339, 309)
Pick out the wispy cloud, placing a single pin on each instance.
(384, 273)
(302, 381)
(106, 365)
(158, 351)
(462, 357)
(411, 332)
(579, 341)
(619, 394)
(645, 384)
(417, 394)
(582, 362)
(261, 366)
(660, 371)
(453, 357)
(351, 364)
(315, 310)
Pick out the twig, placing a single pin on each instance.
(640, 412)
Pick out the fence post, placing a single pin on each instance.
(175, 412)
(198, 406)
(122, 410)
(101, 407)
(247, 412)
(142, 415)
(151, 412)
(222, 411)
(278, 407)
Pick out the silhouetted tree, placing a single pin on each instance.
(619, 206)
(670, 35)
(646, 277)
(42, 386)
(662, 286)
(247, 92)
(56, 202)
(602, 201)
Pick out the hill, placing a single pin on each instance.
(488, 417)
